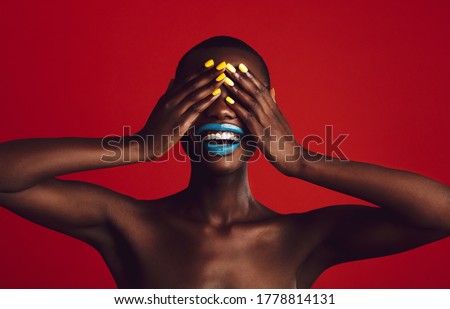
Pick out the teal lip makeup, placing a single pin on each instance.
(221, 138)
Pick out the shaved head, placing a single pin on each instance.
(222, 48)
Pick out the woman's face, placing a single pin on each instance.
(219, 140)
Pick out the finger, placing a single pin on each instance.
(251, 84)
(272, 94)
(247, 117)
(207, 65)
(198, 95)
(191, 114)
(242, 68)
(247, 100)
(183, 90)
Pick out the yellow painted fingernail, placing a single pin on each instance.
(231, 68)
(229, 82)
(243, 68)
(220, 77)
(221, 65)
(229, 100)
(209, 63)
(216, 92)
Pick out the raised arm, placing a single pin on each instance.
(413, 210)
(28, 168)
(29, 189)
(415, 199)
(25, 163)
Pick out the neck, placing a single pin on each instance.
(220, 199)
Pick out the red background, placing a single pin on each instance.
(378, 72)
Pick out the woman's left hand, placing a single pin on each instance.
(255, 105)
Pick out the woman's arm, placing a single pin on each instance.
(414, 210)
(29, 189)
(28, 167)
(25, 163)
(415, 199)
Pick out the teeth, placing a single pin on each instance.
(221, 136)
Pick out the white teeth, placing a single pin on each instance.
(221, 136)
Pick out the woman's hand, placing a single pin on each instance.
(255, 105)
(178, 109)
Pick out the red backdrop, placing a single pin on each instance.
(378, 72)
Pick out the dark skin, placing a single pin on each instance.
(214, 234)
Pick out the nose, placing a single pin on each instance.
(220, 110)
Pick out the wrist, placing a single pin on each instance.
(306, 160)
(293, 165)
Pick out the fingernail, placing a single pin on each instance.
(243, 68)
(220, 77)
(231, 68)
(229, 100)
(216, 92)
(229, 82)
(209, 63)
(221, 65)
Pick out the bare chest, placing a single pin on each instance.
(259, 256)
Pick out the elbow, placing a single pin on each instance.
(12, 186)
(436, 214)
(10, 189)
(14, 177)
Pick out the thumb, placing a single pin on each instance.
(272, 94)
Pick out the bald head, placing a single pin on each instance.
(220, 49)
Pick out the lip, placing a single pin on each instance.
(222, 149)
(212, 126)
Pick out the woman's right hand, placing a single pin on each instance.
(179, 108)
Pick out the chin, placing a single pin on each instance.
(218, 164)
(222, 164)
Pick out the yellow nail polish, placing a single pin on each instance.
(229, 82)
(243, 68)
(231, 68)
(221, 66)
(229, 100)
(209, 63)
(220, 77)
(216, 92)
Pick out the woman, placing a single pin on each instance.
(214, 234)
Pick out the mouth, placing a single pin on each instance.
(220, 138)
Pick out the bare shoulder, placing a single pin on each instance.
(313, 228)
(126, 206)
(354, 232)
(132, 213)
(342, 217)
(326, 217)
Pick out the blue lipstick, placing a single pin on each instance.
(220, 149)
(220, 127)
